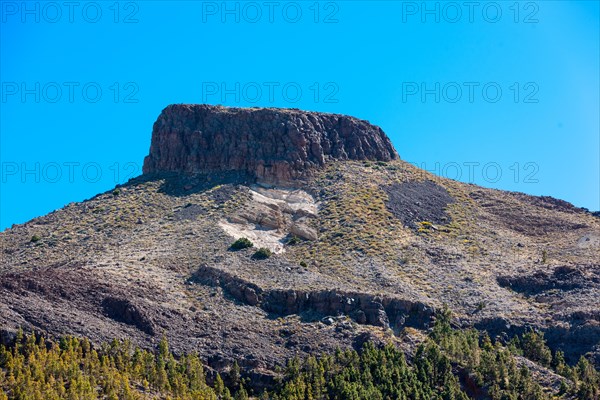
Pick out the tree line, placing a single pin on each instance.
(450, 364)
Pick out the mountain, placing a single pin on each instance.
(350, 244)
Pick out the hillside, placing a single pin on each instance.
(363, 245)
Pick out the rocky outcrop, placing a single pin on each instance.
(266, 144)
(271, 217)
(123, 310)
(364, 308)
(563, 278)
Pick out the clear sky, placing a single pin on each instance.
(502, 94)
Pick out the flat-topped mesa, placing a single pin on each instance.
(266, 144)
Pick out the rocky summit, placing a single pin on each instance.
(270, 145)
(258, 235)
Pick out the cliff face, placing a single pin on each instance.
(270, 145)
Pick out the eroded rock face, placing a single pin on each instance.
(123, 310)
(266, 144)
(364, 308)
(563, 278)
(271, 215)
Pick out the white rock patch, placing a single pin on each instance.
(269, 238)
(295, 199)
(271, 215)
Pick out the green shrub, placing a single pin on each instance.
(480, 305)
(241, 243)
(262, 254)
(35, 238)
(293, 240)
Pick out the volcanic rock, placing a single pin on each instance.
(269, 145)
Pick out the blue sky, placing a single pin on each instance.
(505, 94)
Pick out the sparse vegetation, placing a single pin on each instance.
(35, 239)
(544, 256)
(424, 226)
(241, 243)
(262, 254)
(480, 305)
(293, 240)
(353, 218)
